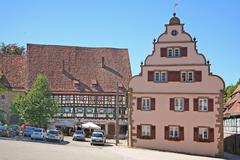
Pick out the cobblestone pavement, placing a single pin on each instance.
(25, 149)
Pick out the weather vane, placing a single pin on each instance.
(174, 7)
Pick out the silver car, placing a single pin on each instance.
(97, 138)
(79, 135)
(55, 135)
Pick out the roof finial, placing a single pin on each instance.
(174, 9)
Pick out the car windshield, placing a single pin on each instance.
(79, 132)
(53, 132)
(37, 130)
(97, 135)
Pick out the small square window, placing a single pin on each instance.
(146, 130)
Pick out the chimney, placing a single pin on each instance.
(103, 62)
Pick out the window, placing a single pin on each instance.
(170, 52)
(157, 76)
(163, 76)
(177, 52)
(160, 76)
(146, 104)
(203, 104)
(203, 133)
(187, 76)
(179, 104)
(190, 76)
(146, 130)
(173, 132)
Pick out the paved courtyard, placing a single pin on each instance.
(72, 150)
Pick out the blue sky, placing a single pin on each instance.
(131, 24)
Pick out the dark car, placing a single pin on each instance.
(6, 132)
(16, 129)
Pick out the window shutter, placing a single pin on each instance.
(174, 76)
(198, 76)
(166, 132)
(195, 104)
(152, 103)
(139, 103)
(163, 52)
(153, 130)
(150, 75)
(171, 104)
(195, 134)
(186, 104)
(139, 131)
(184, 51)
(211, 134)
(210, 105)
(181, 130)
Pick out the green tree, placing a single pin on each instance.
(230, 89)
(12, 49)
(37, 107)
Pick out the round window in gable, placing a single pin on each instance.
(174, 32)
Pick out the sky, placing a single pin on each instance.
(131, 24)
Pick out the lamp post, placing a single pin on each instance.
(117, 116)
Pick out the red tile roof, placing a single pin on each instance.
(233, 104)
(66, 65)
(13, 69)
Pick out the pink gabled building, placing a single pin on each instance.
(176, 103)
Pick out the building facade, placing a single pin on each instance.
(176, 102)
(83, 80)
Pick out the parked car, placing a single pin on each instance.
(16, 129)
(103, 132)
(6, 132)
(79, 135)
(97, 138)
(39, 133)
(55, 135)
(28, 131)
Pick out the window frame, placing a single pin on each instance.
(201, 107)
(148, 107)
(146, 126)
(201, 133)
(179, 52)
(172, 52)
(161, 76)
(175, 130)
(155, 77)
(177, 101)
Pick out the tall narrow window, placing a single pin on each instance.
(179, 104)
(190, 76)
(146, 130)
(183, 76)
(146, 104)
(173, 132)
(203, 104)
(177, 52)
(163, 76)
(157, 76)
(203, 133)
(170, 52)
